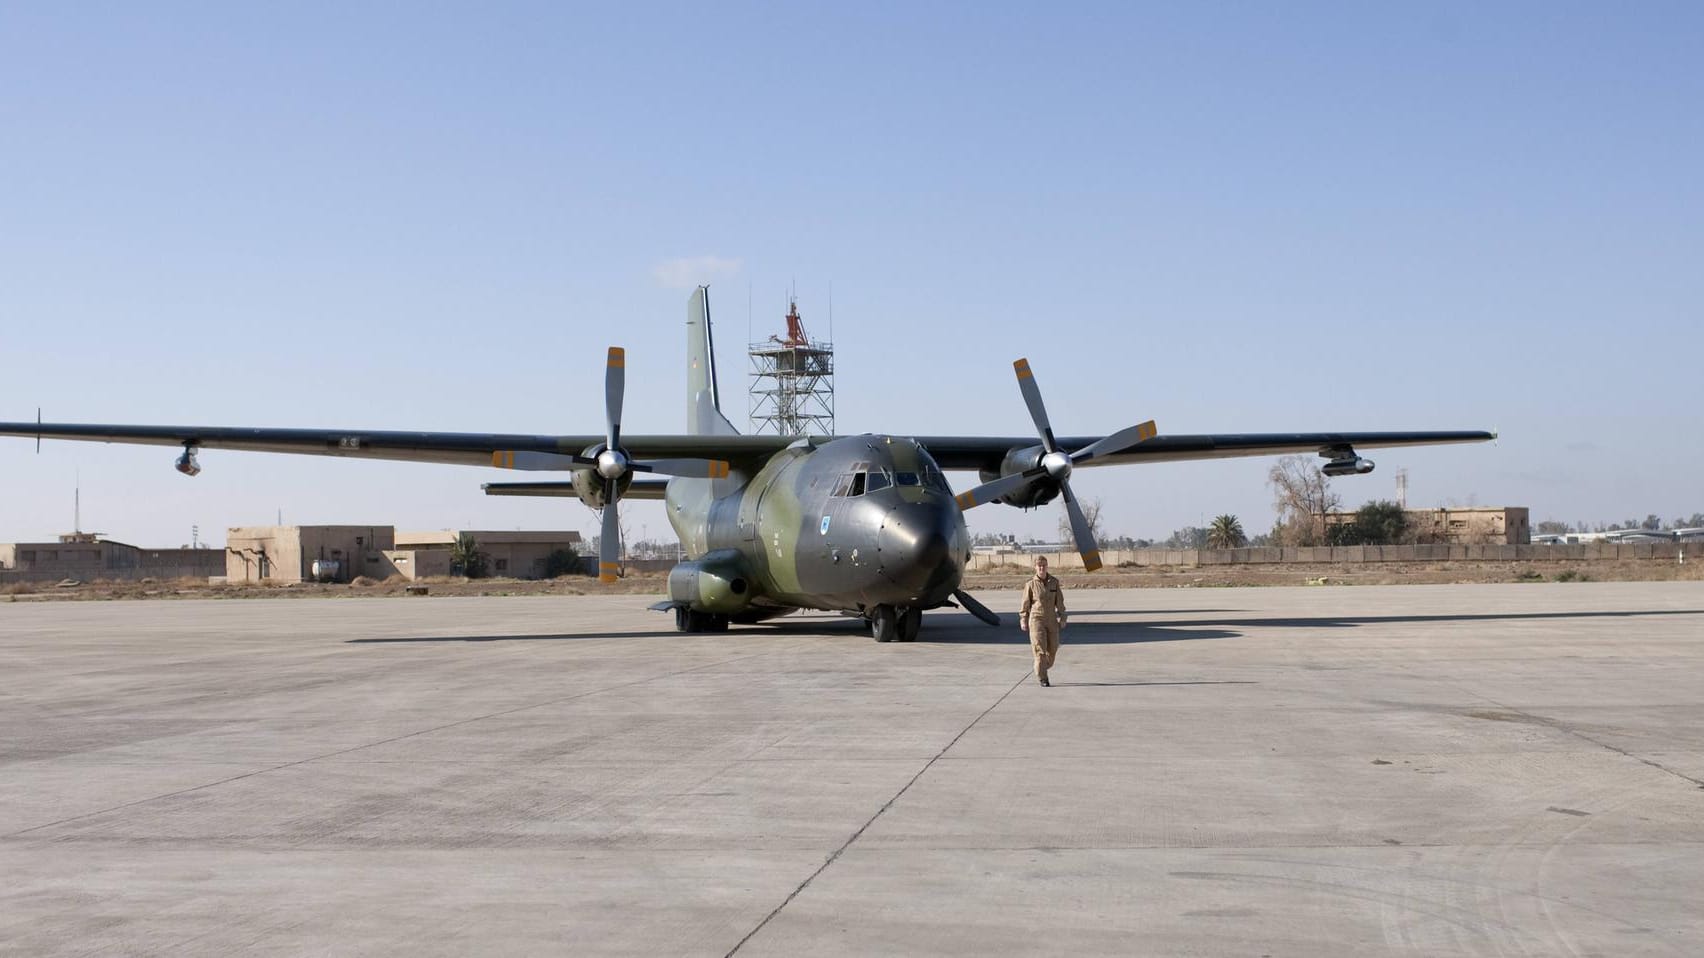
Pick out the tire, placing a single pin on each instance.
(684, 619)
(884, 623)
(910, 623)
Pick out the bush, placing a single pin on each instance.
(1376, 524)
(560, 563)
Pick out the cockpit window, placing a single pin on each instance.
(932, 479)
(879, 479)
(851, 484)
(905, 478)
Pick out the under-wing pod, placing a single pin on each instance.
(716, 583)
(186, 463)
(1348, 467)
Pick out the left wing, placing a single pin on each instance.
(970, 452)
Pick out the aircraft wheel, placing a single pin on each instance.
(685, 619)
(910, 623)
(884, 623)
(715, 623)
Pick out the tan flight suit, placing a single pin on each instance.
(1044, 609)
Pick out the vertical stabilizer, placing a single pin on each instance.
(703, 400)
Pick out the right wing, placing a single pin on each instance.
(460, 448)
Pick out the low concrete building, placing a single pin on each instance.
(510, 554)
(413, 564)
(1494, 525)
(288, 553)
(1491, 525)
(86, 557)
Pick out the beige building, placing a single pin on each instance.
(86, 557)
(512, 554)
(1498, 525)
(343, 553)
(288, 553)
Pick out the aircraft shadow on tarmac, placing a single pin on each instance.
(1351, 621)
(963, 629)
(946, 628)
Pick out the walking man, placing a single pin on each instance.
(1042, 615)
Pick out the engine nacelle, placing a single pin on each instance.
(1347, 467)
(1019, 460)
(589, 486)
(716, 583)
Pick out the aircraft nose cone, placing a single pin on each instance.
(922, 546)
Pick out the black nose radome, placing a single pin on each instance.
(919, 548)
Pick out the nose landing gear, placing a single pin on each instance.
(893, 624)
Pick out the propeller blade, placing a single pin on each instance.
(539, 461)
(1032, 399)
(609, 547)
(615, 384)
(976, 608)
(1117, 442)
(686, 468)
(1084, 536)
(990, 491)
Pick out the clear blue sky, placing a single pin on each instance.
(1226, 217)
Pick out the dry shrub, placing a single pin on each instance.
(19, 588)
(396, 578)
(363, 581)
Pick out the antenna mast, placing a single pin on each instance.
(792, 381)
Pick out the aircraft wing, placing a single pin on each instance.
(519, 451)
(966, 452)
(472, 449)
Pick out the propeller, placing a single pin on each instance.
(612, 464)
(1055, 466)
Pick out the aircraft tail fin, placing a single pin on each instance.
(703, 400)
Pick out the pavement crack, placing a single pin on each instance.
(1512, 713)
(872, 820)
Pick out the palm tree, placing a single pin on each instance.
(466, 557)
(1226, 533)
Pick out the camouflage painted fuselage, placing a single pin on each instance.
(807, 540)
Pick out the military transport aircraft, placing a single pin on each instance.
(865, 525)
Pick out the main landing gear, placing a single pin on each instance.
(893, 624)
(686, 620)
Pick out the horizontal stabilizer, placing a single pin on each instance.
(640, 489)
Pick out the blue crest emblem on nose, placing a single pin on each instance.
(824, 531)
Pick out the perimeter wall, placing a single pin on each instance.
(1342, 555)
